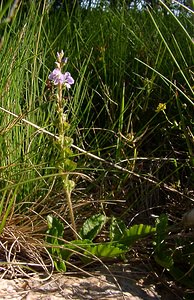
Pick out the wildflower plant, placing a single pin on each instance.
(65, 164)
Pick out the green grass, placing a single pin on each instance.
(125, 63)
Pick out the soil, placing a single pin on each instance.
(118, 282)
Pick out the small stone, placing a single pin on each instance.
(188, 219)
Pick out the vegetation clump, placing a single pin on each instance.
(98, 159)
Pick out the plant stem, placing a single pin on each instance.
(71, 212)
(65, 177)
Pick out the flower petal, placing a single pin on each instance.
(57, 77)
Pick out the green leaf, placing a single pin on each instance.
(69, 185)
(68, 141)
(60, 265)
(55, 230)
(107, 250)
(92, 226)
(135, 233)
(162, 226)
(68, 165)
(89, 249)
(117, 229)
(74, 247)
(164, 260)
(161, 233)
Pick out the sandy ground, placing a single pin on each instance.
(70, 287)
(117, 282)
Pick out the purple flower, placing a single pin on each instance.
(56, 76)
(59, 78)
(68, 80)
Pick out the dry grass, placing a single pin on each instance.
(21, 254)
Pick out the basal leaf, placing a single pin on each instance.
(161, 233)
(135, 233)
(54, 223)
(55, 230)
(76, 246)
(107, 250)
(164, 260)
(117, 229)
(161, 227)
(92, 226)
(60, 265)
